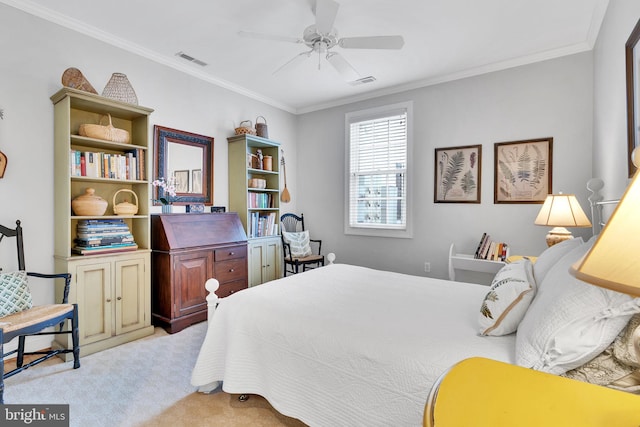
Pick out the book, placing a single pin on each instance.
(103, 250)
(477, 252)
(485, 248)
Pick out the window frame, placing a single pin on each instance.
(369, 114)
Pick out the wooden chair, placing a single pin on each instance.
(481, 392)
(33, 321)
(294, 223)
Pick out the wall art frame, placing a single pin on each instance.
(182, 181)
(523, 170)
(458, 174)
(632, 57)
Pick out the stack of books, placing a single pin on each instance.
(263, 224)
(100, 236)
(490, 250)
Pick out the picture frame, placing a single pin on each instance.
(632, 57)
(458, 174)
(181, 181)
(523, 171)
(218, 209)
(196, 181)
(194, 208)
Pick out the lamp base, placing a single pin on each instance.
(557, 235)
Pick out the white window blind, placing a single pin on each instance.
(378, 152)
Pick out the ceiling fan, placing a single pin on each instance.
(321, 37)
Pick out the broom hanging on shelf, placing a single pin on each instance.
(284, 197)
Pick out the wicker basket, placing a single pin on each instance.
(125, 208)
(245, 130)
(107, 133)
(119, 88)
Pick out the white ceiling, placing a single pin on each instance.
(444, 40)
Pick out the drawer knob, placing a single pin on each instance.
(231, 270)
(232, 253)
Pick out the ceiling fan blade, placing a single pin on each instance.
(341, 65)
(261, 36)
(326, 11)
(294, 61)
(373, 42)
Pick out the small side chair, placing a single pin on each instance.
(27, 320)
(308, 258)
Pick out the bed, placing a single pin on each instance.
(344, 345)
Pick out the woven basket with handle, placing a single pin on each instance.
(243, 129)
(108, 133)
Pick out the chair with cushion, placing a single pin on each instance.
(297, 246)
(20, 318)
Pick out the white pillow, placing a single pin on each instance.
(509, 296)
(551, 255)
(299, 243)
(570, 321)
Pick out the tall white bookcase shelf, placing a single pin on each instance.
(112, 290)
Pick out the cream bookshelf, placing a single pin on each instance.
(113, 290)
(265, 251)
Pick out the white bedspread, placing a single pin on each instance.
(345, 345)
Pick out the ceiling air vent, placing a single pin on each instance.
(191, 59)
(369, 79)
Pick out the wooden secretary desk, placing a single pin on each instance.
(188, 249)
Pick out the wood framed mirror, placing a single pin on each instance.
(632, 57)
(188, 158)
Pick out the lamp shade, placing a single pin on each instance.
(562, 210)
(612, 262)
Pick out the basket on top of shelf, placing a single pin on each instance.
(244, 129)
(108, 132)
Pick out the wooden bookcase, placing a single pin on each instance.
(113, 290)
(265, 251)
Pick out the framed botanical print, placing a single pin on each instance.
(522, 171)
(458, 174)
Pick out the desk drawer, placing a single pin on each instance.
(227, 271)
(230, 252)
(232, 287)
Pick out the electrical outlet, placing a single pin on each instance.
(427, 267)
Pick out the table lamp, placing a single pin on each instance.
(560, 211)
(612, 262)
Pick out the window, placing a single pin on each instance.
(378, 153)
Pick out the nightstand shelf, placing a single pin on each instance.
(468, 262)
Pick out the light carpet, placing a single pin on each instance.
(142, 383)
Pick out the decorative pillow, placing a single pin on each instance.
(569, 321)
(615, 366)
(299, 243)
(14, 293)
(551, 255)
(509, 296)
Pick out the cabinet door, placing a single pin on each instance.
(272, 254)
(131, 295)
(95, 301)
(191, 272)
(264, 261)
(256, 255)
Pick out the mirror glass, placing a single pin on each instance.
(186, 157)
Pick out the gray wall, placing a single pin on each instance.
(552, 98)
(610, 108)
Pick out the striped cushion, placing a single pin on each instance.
(299, 243)
(14, 293)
